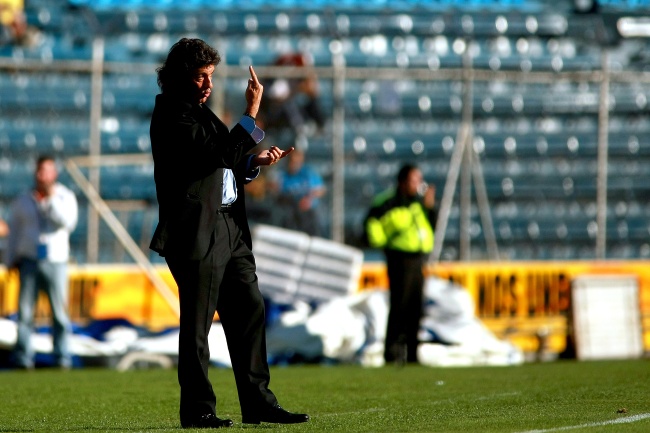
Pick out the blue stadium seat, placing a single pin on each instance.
(537, 142)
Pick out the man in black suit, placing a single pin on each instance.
(200, 168)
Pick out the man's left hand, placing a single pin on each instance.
(270, 156)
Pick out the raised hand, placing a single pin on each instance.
(254, 92)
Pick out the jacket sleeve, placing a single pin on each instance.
(245, 170)
(375, 234)
(12, 239)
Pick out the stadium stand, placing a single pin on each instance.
(537, 141)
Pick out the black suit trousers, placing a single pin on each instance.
(225, 281)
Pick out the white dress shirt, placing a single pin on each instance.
(229, 185)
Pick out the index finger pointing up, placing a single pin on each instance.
(253, 75)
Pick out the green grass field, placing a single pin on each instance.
(559, 396)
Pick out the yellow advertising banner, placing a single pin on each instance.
(103, 292)
(528, 303)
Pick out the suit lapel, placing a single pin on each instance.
(217, 125)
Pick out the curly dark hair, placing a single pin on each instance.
(185, 57)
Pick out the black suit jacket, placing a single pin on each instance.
(191, 146)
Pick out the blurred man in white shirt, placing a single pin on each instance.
(38, 246)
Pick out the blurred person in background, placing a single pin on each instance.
(4, 231)
(291, 109)
(38, 246)
(261, 207)
(9, 9)
(401, 222)
(200, 168)
(14, 28)
(299, 188)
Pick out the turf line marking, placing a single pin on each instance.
(625, 420)
(503, 394)
(356, 412)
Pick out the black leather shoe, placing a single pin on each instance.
(276, 414)
(206, 421)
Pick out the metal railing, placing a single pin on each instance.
(339, 74)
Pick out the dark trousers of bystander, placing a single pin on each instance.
(406, 282)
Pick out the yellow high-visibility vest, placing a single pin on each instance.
(401, 228)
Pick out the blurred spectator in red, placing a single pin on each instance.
(291, 104)
(4, 228)
(4, 231)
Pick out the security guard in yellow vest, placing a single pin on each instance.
(401, 223)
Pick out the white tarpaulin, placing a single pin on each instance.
(347, 328)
